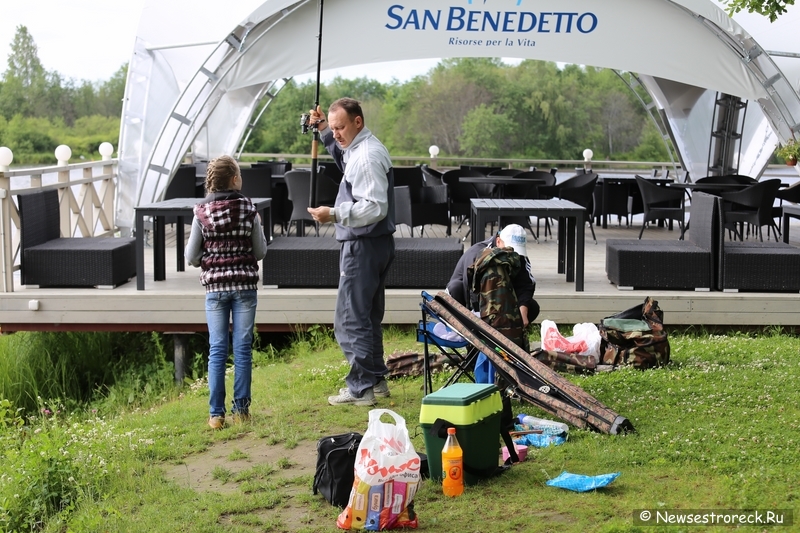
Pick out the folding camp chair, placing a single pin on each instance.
(460, 354)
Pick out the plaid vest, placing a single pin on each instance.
(228, 263)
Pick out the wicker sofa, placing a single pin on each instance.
(314, 262)
(657, 264)
(49, 260)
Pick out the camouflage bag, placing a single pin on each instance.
(635, 337)
(566, 362)
(402, 364)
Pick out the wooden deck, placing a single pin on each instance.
(176, 305)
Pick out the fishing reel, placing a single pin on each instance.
(304, 123)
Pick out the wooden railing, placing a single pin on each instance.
(445, 163)
(86, 205)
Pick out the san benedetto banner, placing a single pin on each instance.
(669, 39)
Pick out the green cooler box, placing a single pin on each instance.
(474, 409)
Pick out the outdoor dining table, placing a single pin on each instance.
(789, 211)
(181, 208)
(570, 227)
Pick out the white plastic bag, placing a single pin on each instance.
(387, 474)
(589, 333)
(585, 339)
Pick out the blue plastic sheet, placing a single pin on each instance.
(579, 483)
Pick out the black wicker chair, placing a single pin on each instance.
(752, 206)
(429, 203)
(331, 170)
(298, 183)
(661, 203)
(48, 260)
(183, 185)
(256, 182)
(460, 194)
(657, 264)
(328, 181)
(402, 208)
(418, 263)
(789, 194)
(281, 208)
(580, 190)
(431, 175)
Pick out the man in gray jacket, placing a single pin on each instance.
(363, 215)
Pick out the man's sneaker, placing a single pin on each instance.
(346, 398)
(381, 389)
(216, 422)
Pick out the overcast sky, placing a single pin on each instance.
(91, 39)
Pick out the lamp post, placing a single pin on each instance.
(6, 157)
(434, 151)
(587, 160)
(63, 153)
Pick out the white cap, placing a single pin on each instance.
(513, 235)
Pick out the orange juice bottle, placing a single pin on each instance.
(452, 465)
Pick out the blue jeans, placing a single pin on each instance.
(220, 307)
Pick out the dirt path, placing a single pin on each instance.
(221, 465)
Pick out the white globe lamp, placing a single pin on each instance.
(63, 153)
(6, 157)
(587, 159)
(106, 149)
(434, 151)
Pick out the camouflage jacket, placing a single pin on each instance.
(490, 276)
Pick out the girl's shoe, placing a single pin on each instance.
(216, 422)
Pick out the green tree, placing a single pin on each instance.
(486, 133)
(769, 8)
(25, 80)
(23, 61)
(362, 89)
(110, 94)
(651, 145)
(439, 104)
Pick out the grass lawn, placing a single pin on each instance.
(717, 429)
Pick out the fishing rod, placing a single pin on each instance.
(304, 120)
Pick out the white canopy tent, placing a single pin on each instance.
(199, 70)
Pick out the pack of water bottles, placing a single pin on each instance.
(539, 432)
